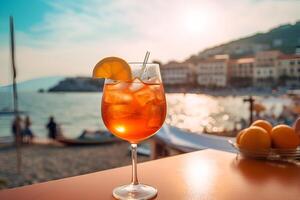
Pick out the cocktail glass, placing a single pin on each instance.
(134, 111)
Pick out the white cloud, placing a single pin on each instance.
(72, 38)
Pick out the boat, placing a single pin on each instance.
(6, 111)
(185, 141)
(143, 149)
(293, 92)
(89, 138)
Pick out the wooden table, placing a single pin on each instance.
(206, 174)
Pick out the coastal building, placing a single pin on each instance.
(241, 72)
(265, 68)
(213, 71)
(289, 69)
(246, 49)
(174, 73)
(266, 71)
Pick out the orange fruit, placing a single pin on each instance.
(255, 138)
(112, 68)
(239, 135)
(284, 137)
(263, 124)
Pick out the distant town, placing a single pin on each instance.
(266, 68)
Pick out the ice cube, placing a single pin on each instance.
(155, 114)
(154, 123)
(136, 85)
(144, 95)
(155, 110)
(137, 80)
(158, 90)
(118, 86)
(119, 111)
(117, 97)
(160, 96)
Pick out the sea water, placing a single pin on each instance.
(75, 112)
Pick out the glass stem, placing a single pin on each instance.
(134, 179)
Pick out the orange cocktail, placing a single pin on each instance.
(133, 110)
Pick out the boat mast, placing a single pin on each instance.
(16, 109)
(12, 50)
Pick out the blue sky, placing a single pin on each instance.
(28, 13)
(68, 37)
(30, 17)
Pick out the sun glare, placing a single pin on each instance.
(196, 21)
(120, 129)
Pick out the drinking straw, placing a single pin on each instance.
(144, 63)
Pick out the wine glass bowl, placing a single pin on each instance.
(134, 111)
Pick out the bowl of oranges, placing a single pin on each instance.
(261, 140)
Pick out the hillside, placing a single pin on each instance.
(78, 84)
(284, 38)
(34, 84)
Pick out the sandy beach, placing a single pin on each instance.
(49, 162)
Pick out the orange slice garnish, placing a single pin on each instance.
(112, 68)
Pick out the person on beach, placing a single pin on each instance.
(27, 133)
(52, 128)
(16, 129)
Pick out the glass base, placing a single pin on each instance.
(137, 192)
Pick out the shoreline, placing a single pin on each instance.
(228, 91)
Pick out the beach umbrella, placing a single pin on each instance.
(258, 107)
(296, 109)
(250, 100)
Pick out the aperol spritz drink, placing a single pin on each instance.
(134, 110)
